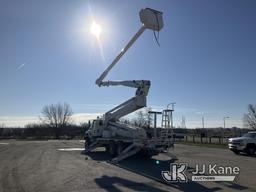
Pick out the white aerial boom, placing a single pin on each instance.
(151, 19)
(122, 140)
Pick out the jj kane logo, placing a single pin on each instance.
(204, 172)
(176, 173)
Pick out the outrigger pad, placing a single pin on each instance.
(152, 19)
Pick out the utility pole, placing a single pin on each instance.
(224, 120)
(203, 121)
(224, 126)
(183, 122)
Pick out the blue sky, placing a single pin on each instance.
(206, 62)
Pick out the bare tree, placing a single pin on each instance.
(125, 120)
(57, 115)
(250, 117)
(142, 118)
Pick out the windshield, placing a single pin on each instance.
(250, 135)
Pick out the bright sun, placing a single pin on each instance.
(95, 29)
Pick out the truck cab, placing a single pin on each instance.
(96, 128)
(246, 143)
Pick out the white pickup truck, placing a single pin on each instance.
(246, 143)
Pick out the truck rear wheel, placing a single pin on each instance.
(120, 147)
(250, 149)
(112, 149)
(236, 152)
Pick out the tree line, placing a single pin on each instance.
(56, 122)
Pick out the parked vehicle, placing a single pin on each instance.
(246, 143)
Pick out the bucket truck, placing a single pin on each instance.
(123, 140)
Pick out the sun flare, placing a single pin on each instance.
(95, 29)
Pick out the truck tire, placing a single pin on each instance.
(87, 142)
(112, 149)
(250, 149)
(120, 148)
(107, 148)
(236, 152)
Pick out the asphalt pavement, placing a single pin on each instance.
(60, 165)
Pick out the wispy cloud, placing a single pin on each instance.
(210, 112)
(20, 66)
(84, 117)
(23, 65)
(18, 121)
(21, 121)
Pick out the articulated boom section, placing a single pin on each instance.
(125, 108)
(151, 19)
(131, 105)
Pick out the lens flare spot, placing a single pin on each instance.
(95, 29)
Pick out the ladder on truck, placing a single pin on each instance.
(166, 134)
